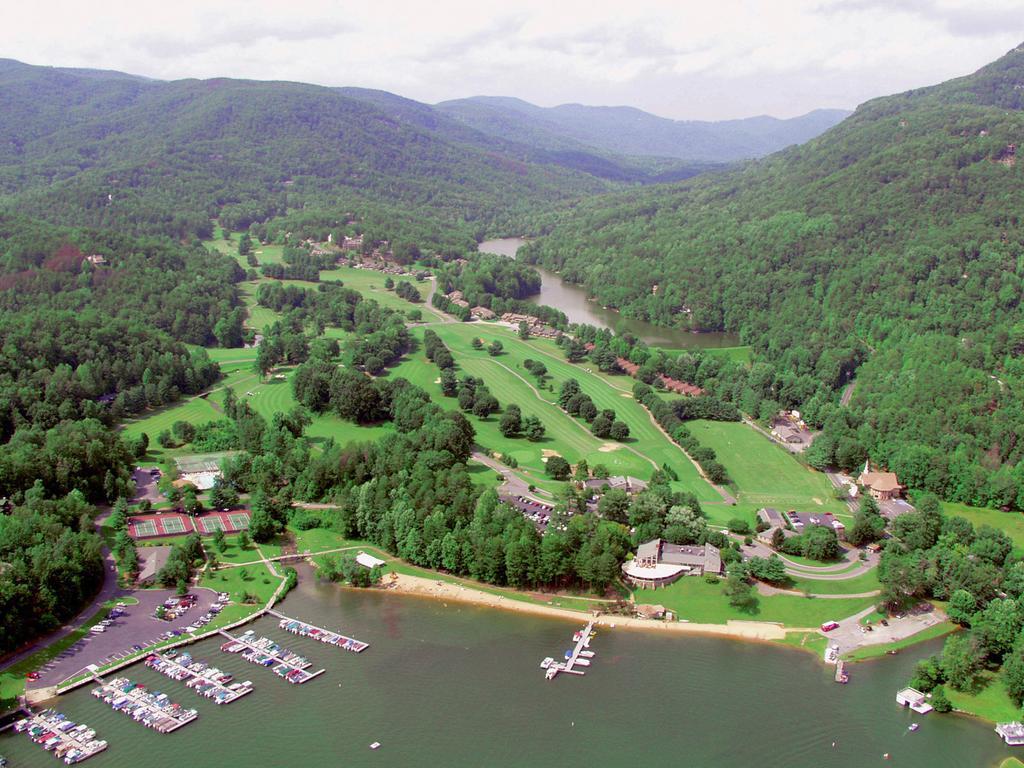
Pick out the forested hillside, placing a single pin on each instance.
(145, 156)
(889, 248)
(630, 131)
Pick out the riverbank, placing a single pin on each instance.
(743, 630)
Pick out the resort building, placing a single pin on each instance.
(630, 485)
(658, 563)
(883, 486)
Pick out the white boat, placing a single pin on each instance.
(913, 726)
(375, 745)
(547, 663)
(587, 654)
(582, 662)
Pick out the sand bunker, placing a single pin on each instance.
(609, 447)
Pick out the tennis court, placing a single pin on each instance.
(210, 524)
(173, 525)
(142, 529)
(239, 521)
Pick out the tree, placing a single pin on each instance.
(558, 468)
(533, 429)
(223, 495)
(219, 541)
(510, 423)
(614, 505)
(244, 541)
(738, 525)
(962, 605)
(262, 527)
(740, 594)
(244, 244)
(820, 543)
(962, 660)
(190, 502)
(601, 426)
(495, 348)
(477, 343)
(995, 628)
(619, 430)
(778, 538)
(524, 330)
(868, 525)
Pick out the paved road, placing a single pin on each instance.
(515, 483)
(832, 572)
(137, 626)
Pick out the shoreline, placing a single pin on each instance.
(418, 586)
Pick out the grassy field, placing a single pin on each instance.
(645, 450)
(763, 473)
(1012, 523)
(858, 585)
(735, 354)
(991, 702)
(694, 599)
(371, 285)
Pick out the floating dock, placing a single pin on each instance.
(841, 676)
(264, 652)
(314, 632)
(579, 655)
(209, 682)
(153, 710)
(53, 731)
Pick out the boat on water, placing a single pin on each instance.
(548, 661)
(913, 726)
(583, 662)
(587, 654)
(375, 745)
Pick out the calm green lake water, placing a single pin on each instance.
(572, 299)
(459, 686)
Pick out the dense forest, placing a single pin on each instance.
(888, 251)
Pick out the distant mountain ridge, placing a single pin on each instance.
(631, 131)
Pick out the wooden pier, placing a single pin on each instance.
(200, 681)
(312, 631)
(841, 676)
(576, 657)
(295, 674)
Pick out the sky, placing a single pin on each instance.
(683, 59)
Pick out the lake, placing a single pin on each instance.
(572, 300)
(455, 685)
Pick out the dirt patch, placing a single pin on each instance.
(626, 394)
(609, 447)
(547, 453)
(437, 381)
(817, 501)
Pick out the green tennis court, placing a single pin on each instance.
(211, 524)
(145, 528)
(173, 525)
(239, 521)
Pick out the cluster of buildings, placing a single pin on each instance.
(672, 385)
(793, 523)
(533, 325)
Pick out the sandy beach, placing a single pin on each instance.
(423, 587)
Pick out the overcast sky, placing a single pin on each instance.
(686, 59)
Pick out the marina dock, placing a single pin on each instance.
(264, 652)
(207, 681)
(304, 629)
(153, 710)
(578, 656)
(53, 731)
(841, 676)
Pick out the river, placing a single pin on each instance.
(572, 300)
(455, 685)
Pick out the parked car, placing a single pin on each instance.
(32, 675)
(828, 626)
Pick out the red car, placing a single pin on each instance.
(828, 626)
(31, 675)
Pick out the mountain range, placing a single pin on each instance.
(109, 149)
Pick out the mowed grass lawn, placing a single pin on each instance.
(509, 381)
(693, 599)
(991, 702)
(371, 285)
(763, 473)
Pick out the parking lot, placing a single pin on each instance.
(136, 627)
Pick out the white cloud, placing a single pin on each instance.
(680, 58)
